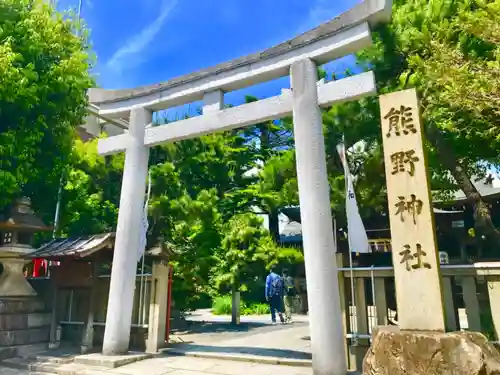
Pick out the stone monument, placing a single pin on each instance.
(414, 255)
(23, 317)
(419, 345)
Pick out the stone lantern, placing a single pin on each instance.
(16, 235)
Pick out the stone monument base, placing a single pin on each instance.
(395, 352)
(23, 321)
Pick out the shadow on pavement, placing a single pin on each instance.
(195, 327)
(262, 352)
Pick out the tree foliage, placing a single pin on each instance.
(201, 190)
(246, 252)
(45, 72)
(91, 191)
(438, 47)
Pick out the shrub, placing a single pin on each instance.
(222, 305)
(256, 309)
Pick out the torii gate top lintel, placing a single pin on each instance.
(345, 34)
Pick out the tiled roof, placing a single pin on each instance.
(77, 247)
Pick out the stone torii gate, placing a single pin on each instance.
(298, 58)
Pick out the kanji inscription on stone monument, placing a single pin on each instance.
(414, 253)
(407, 257)
(412, 207)
(400, 121)
(404, 161)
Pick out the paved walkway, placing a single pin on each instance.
(9, 371)
(289, 345)
(255, 339)
(211, 345)
(188, 366)
(199, 366)
(205, 315)
(202, 326)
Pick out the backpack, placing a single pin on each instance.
(276, 287)
(289, 287)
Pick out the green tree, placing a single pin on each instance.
(275, 187)
(242, 236)
(45, 73)
(191, 199)
(270, 144)
(199, 187)
(448, 50)
(196, 233)
(246, 251)
(91, 192)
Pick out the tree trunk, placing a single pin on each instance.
(274, 225)
(265, 144)
(482, 215)
(235, 305)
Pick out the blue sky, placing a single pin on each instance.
(140, 42)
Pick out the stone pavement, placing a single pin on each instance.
(201, 326)
(262, 350)
(275, 350)
(200, 366)
(179, 366)
(209, 347)
(205, 315)
(288, 345)
(185, 366)
(11, 371)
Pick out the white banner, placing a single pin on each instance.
(358, 240)
(145, 224)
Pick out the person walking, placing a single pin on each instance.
(274, 295)
(289, 294)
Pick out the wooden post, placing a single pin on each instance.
(54, 340)
(471, 303)
(88, 332)
(449, 305)
(158, 307)
(169, 303)
(381, 301)
(345, 314)
(361, 306)
(494, 294)
(235, 305)
(463, 251)
(361, 322)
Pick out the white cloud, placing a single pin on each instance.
(321, 11)
(129, 54)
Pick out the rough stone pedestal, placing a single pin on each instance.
(23, 321)
(395, 352)
(12, 281)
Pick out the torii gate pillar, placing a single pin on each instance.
(325, 314)
(123, 272)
